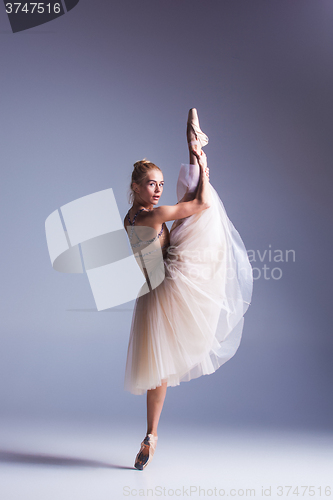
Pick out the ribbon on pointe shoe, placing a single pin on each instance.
(150, 440)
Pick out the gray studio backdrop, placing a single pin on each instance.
(84, 97)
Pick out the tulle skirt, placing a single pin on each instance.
(192, 322)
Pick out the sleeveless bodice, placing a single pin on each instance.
(141, 242)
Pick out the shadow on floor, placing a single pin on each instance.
(42, 459)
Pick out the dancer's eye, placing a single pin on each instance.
(153, 184)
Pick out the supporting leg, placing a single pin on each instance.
(155, 400)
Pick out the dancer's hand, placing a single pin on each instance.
(202, 159)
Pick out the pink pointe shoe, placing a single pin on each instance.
(195, 137)
(146, 452)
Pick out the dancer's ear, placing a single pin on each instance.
(135, 187)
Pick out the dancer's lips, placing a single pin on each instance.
(156, 197)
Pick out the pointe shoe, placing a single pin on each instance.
(148, 444)
(195, 137)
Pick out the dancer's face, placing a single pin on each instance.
(151, 188)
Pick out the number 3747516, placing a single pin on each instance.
(32, 8)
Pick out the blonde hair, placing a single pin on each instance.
(140, 170)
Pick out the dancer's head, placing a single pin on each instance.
(147, 183)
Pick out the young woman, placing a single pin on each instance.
(191, 323)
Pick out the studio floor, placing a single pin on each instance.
(72, 461)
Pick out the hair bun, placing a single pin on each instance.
(138, 164)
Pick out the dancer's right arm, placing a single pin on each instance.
(184, 209)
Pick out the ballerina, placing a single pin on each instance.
(192, 322)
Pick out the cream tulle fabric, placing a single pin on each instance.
(192, 322)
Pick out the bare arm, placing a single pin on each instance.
(184, 209)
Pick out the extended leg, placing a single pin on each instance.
(196, 139)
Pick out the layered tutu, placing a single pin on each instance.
(192, 322)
